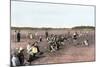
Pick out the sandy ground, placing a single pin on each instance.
(69, 52)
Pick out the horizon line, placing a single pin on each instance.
(53, 27)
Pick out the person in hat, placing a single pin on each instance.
(46, 34)
(18, 36)
(40, 39)
(31, 53)
(35, 48)
(21, 56)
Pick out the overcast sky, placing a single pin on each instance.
(31, 14)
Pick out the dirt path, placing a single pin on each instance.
(68, 53)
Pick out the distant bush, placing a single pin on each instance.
(83, 27)
(30, 28)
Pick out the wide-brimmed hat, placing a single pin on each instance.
(20, 49)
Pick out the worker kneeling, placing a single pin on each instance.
(32, 53)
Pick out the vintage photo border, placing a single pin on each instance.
(94, 6)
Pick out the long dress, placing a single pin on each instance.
(18, 37)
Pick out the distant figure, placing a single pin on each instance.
(15, 60)
(30, 35)
(15, 37)
(85, 42)
(40, 39)
(28, 48)
(18, 36)
(46, 34)
(75, 35)
(36, 34)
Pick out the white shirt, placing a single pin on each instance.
(28, 48)
(15, 61)
(31, 36)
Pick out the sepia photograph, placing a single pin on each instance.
(51, 33)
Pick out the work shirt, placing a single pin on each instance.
(15, 61)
